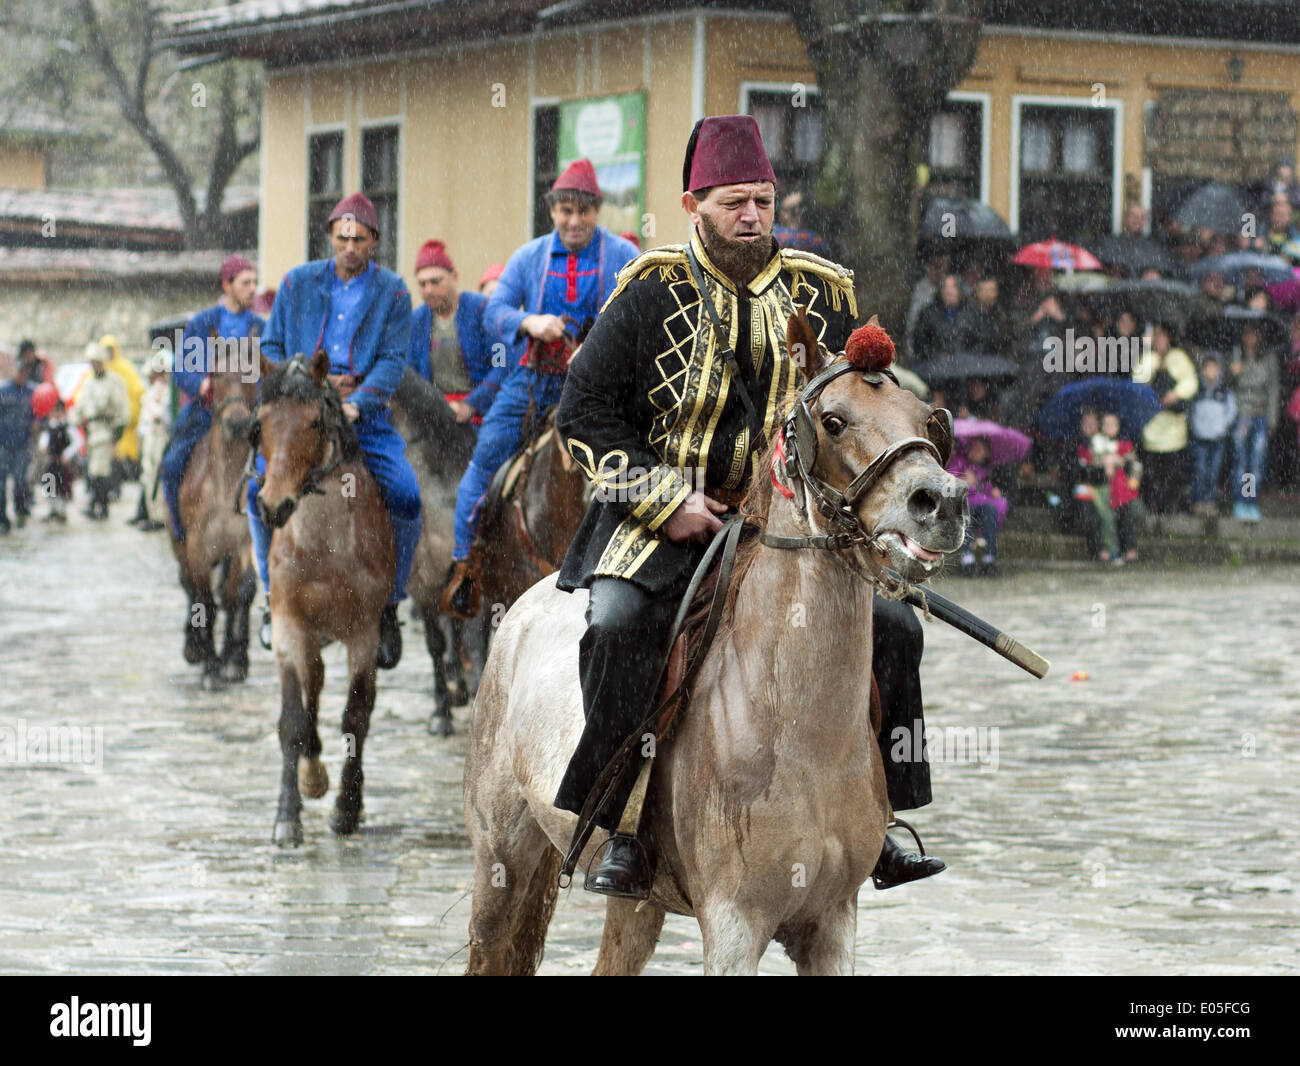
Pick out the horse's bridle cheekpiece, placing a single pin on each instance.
(799, 443)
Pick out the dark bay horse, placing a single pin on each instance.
(771, 805)
(332, 567)
(216, 534)
(438, 449)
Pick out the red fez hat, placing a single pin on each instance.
(725, 150)
(492, 273)
(433, 254)
(233, 266)
(579, 176)
(357, 207)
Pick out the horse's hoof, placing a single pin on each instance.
(195, 652)
(212, 680)
(440, 725)
(344, 822)
(313, 778)
(234, 671)
(288, 834)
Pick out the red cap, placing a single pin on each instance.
(725, 150)
(492, 273)
(233, 266)
(632, 239)
(433, 254)
(580, 176)
(357, 207)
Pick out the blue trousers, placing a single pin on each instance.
(498, 439)
(1207, 458)
(13, 466)
(983, 523)
(190, 427)
(384, 452)
(1249, 454)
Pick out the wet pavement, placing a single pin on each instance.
(1142, 821)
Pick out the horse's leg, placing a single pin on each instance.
(475, 637)
(825, 948)
(240, 588)
(516, 884)
(298, 676)
(734, 940)
(629, 938)
(203, 617)
(435, 640)
(453, 634)
(356, 724)
(194, 651)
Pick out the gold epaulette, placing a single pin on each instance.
(662, 262)
(838, 279)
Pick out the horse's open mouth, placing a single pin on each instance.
(910, 559)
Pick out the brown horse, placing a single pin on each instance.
(332, 566)
(525, 535)
(216, 534)
(771, 805)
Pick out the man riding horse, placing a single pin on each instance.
(686, 371)
(359, 314)
(451, 345)
(231, 319)
(566, 274)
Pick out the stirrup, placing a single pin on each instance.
(896, 821)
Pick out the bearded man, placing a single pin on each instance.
(654, 411)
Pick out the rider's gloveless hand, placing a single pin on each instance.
(696, 519)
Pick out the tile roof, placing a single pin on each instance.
(149, 209)
(100, 264)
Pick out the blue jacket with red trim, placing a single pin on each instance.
(377, 354)
(194, 348)
(523, 282)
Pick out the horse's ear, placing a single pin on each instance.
(801, 341)
(320, 367)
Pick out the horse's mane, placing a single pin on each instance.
(292, 381)
(444, 443)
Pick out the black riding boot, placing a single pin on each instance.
(897, 867)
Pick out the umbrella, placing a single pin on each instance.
(1005, 445)
(1273, 267)
(1135, 404)
(1135, 254)
(1160, 300)
(1083, 281)
(1222, 332)
(1286, 294)
(1214, 206)
(1056, 255)
(963, 365)
(948, 218)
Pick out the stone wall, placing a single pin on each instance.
(63, 316)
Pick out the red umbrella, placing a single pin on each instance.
(1005, 445)
(1057, 255)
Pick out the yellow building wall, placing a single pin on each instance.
(465, 162)
(22, 167)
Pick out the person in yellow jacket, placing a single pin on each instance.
(126, 453)
(1170, 372)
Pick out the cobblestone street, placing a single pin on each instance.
(1141, 821)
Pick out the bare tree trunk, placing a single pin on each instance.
(883, 69)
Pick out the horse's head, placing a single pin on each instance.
(301, 430)
(866, 457)
(234, 396)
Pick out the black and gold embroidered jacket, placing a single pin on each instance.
(650, 409)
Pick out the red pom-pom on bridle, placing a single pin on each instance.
(869, 347)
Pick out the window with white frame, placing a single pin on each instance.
(1066, 172)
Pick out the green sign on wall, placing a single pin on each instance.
(610, 131)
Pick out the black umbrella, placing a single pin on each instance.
(1272, 268)
(963, 365)
(1162, 300)
(1135, 254)
(1222, 332)
(949, 218)
(1214, 206)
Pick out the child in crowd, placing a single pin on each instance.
(988, 507)
(1112, 489)
(1211, 418)
(58, 444)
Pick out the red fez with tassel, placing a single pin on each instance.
(433, 254)
(578, 176)
(725, 150)
(358, 208)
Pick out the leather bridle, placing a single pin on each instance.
(798, 445)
